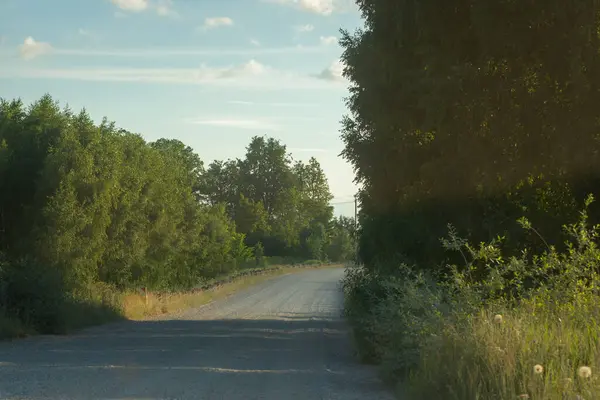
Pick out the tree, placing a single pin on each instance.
(464, 111)
(220, 184)
(316, 241)
(265, 173)
(186, 157)
(313, 185)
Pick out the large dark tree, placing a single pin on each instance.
(469, 112)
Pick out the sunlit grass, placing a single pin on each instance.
(534, 353)
(490, 337)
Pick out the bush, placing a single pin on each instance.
(35, 295)
(496, 328)
(35, 298)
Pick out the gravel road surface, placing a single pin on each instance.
(281, 339)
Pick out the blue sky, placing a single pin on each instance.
(211, 73)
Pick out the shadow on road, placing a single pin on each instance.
(201, 359)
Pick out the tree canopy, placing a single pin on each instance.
(100, 204)
(472, 113)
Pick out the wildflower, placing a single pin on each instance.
(538, 369)
(584, 372)
(498, 319)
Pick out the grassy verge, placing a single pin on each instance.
(526, 328)
(39, 309)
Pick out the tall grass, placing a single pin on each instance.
(495, 328)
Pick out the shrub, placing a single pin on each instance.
(34, 294)
(494, 328)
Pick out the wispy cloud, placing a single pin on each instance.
(163, 8)
(254, 42)
(304, 28)
(251, 74)
(332, 73)
(320, 7)
(216, 22)
(167, 52)
(131, 5)
(31, 48)
(273, 104)
(328, 40)
(88, 35)
(247, 124)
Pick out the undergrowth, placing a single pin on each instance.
(522, 327)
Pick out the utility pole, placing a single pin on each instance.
(356, 226)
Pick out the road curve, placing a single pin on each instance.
(282, 339)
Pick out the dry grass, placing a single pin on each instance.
(137, 306)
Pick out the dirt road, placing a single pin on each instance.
(282, 339)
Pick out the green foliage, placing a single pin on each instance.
(415, 326)
(476, 114)
(34, 295)
(463, 112)
(88, 210)
(342, 242)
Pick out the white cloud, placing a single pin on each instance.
(254, 42)
(131, 5)
(164, 8)
(250, 75)
(216, 22)
(88, 34)
(31, 48)
(332, 73)
(251, 124)
(322, 7)
(328, 40)
(251, 68)
(184, 52)
(304, 28)
(248, 71)
(273, 104)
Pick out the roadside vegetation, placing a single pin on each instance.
(473, 130)
(91, 213)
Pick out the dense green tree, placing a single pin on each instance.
(472, 113)
(271, 198)
(342, 242)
